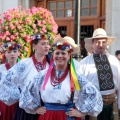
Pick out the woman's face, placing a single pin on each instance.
(42, 47)
(12, 55)
(61, 58)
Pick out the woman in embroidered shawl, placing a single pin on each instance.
(11, 53)
(67, 95)
(20, 74)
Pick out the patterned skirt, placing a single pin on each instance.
(54, 115)
(7, 112)
(20, 114)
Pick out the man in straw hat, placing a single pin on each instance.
(103, 70)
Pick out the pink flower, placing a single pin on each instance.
(3, 28)
(6, 27)
(12, 37)
(34, 26)
(12, 27)
(7, 33)
(36, 30)
(9, 18)
(28, 20)
(27, 38)
(23, 30)
(23, 35)
(7, 38)
(54, 29)
(18, 16)
(19, 27)
(44, 29)
(0, 35)
(1, 21)
(16, 34)
(26, 49)
(44, 22)
(39, 23)
(16, 22)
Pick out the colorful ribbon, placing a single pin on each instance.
(73, 75)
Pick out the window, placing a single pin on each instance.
(66, 8)
(89, 7)
(60, 9)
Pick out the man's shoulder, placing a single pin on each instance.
(110, 56)
(87, 58)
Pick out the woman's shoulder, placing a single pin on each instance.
(2, 66)
(22, 65)
(25, 60)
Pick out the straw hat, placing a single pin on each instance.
(98, 33)
(69, 41)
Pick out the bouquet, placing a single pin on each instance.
(17, 25)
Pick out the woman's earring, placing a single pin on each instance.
(69, 61)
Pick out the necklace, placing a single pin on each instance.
(7, 65)
(39, 65)
(57, 80)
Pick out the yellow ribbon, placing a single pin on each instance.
(29, 49)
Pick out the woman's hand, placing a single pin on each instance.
(41, 110)
(75, 113)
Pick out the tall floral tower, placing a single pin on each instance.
(18, 25)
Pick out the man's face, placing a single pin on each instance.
(118, 57)
(99, 45)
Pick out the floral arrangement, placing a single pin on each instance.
(41, 37)
(61, 46)
(17, 25)
(11, 46)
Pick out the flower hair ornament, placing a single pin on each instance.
(36, 37)
(61, 46)
(11, 46)
(41, 37)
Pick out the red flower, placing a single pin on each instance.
(59, 46)
(10, 48)
(71, 50)
(65, 44)
(15, 45)
(42, 36)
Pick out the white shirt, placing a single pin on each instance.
(87, 68)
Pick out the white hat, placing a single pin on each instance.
(98, 33)
(69, 41)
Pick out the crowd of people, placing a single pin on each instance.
(56, 86)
